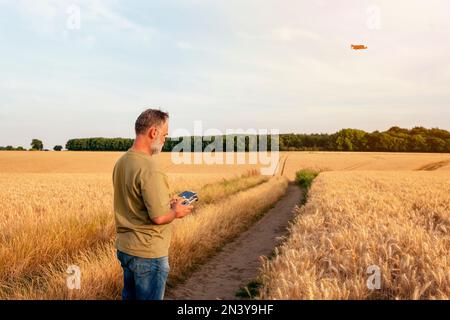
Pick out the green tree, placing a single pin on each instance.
(37, 144)
(350, 140)
(57, 148)
(417, 143)
(436, 144)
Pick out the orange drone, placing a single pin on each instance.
(358, 47)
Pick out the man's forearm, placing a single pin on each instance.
(165, 219)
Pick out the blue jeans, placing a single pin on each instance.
(143, 278)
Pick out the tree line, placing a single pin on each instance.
(396, 139)
(36, 145)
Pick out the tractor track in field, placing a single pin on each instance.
(279, 170)
(434, 165)
(356, 165)
(239, 261)
(284, 164)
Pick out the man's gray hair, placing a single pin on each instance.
(150, 118)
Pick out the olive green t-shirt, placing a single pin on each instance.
(141, 192)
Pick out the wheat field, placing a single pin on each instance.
(51, 221)
(398, 221)
(56, 210)
(360, 161)
(64, 213)
(103, 162)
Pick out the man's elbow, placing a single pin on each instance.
(159, 220)
(163, 219)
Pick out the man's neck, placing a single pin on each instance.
(139, 147)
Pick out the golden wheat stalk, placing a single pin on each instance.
(96, 259)
(49, 217)
(396, 221)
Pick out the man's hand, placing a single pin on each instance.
(180, 209)
(177, 210)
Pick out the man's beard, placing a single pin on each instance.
(156, 148)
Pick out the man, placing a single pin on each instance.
(144, 212)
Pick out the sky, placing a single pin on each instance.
(73, 69)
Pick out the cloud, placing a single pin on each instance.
(280, 34)
(50, 17)
(290, 34)
(98, 11)
(184, 45)
(286, 64)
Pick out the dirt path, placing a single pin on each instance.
(239, 262)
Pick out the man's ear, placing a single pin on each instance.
(152, 133)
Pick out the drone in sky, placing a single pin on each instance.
(358, 47)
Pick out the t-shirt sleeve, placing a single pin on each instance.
(155, 192)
